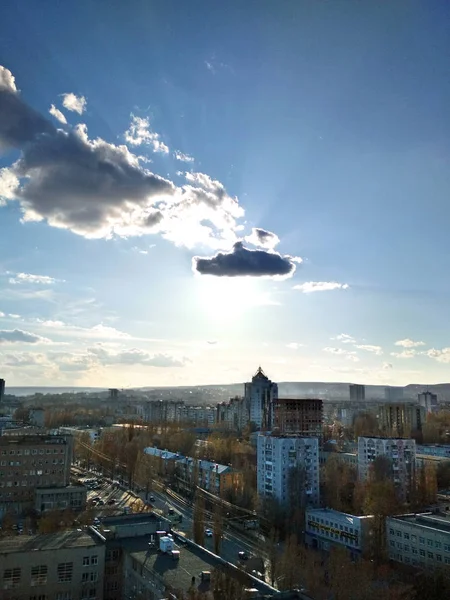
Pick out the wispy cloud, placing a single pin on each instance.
(12, 336)
(38, 279)
(338, 351)
(294, 346)
(55, 112)
(183, 157)
(404, 354)
(74, 103)
(140, 133)
(407, 343)
(442, 356)
(378, 350)
(344, 338)
(320, 286)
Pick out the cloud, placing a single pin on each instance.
(294, 346)
(405, 354)
(55, 112)
(140, 133)
(135, 356)
(7, 80)
(262, 238)
(407, 343)
(320, 286)
(2, 314)
(8, 185)
(344, 338)
(29, 278)
(442, 356)
(386, 366)
(99, 331)
(183, 157)
(378, 350)
(74, 103)
(331, 350)
(352, 356)
(241, 262)
(12, 336)
(23, 359)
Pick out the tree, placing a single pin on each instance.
(338, 481)
(217, 527)
(443, 475)
(199, 519)
(365, 424)
(381, 502)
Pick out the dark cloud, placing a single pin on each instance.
(262, 238)
(241, 262)
(18, 335)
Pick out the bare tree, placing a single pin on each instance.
(199, 519)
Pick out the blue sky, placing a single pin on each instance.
(299, 150)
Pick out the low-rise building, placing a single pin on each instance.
(326, 528)
(210, 476)
(56, 566)
(287, 466)
(349, 458)
(420, 540)
(440, 450)
(60, 498)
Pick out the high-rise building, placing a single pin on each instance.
(260, 395)
(401, 419)
(2, 389)
(429, 401)
(299, 415)
(357, 392)
(28, 462)
(401, 453)
(393, 393)
(288, 467)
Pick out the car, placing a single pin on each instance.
(208, 533)
(111, 502)
(100, 502)
(242, 555)
(152, 498)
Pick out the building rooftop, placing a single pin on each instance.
(32, 438)
(439, 521)
(331, 512)
(70, 538)
(178, 574)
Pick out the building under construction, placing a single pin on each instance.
(302, 416)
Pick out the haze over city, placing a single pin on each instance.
(190, 190)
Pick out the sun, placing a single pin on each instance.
(227, 297)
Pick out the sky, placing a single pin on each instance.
(189, 190)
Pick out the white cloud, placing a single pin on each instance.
(294, 346)
(12, 336)
(262, 238)
(352, 356)
(407, 343)
(140, 133)
(344, 338)
(55, 112)
(7, 80)
(339, 351)
(404, 354)
(442, 356)
(386, 366)
(29, 278)
(2, 314)
(8, 185)
(183, 157)
(24, 359)
(378, 350)
(74, 103)
(320, 286)
(99, 331)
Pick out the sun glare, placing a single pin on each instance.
(227, 298)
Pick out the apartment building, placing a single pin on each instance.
(429, 401)
(66, 565)
(302, 416)
(326, 529)
(401, 453)
(357, 392)
(233, 414)
(279, 457)
(28, 462)
(210, 476)
(401, 419)
(420, 540)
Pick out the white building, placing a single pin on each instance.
(277, 456)
(401, 453)
(326, 528)
(260, 395)
(421, 540)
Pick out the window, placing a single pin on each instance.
(406, 548)
(439, 557)
(438, 544)
(92, 592)
(11, 577)
(430, 555)
(422, 552)
(65, 572)
(399, 533)
(406, 536)
(86, 561)
(84, 577)
(94, 560)
(447, 547)
(39, 575)
(392, 544)
(430, 543)
(422, 540)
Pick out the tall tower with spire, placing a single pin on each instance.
(260, 397)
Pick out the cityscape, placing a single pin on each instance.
(224, 333)
(123, 494)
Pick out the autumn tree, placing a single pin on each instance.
(217, 527)
(365, 424)
(443, 475)
(338, 479)
(199, 519)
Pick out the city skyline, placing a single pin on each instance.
(272, 191)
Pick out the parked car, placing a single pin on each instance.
(152, 498)
(243, 555)
(208, 533)
(111, 502)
